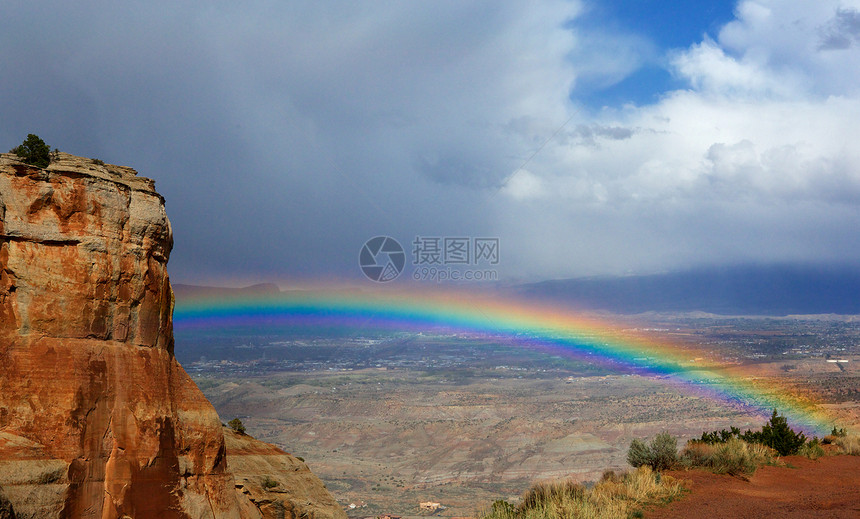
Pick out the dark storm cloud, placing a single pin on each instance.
(284, 134)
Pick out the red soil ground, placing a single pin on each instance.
(828, 488)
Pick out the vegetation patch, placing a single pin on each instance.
(734, 457)
(775, 434)
(849, 444)
(33, 151)
(237, 425)
(731, 452)
(660, 454)
(811, 449)
(616, 496)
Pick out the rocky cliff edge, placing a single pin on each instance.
(97, 418)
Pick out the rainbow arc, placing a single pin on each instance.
(526, 324)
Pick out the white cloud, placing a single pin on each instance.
(709, 70)
(523, 185)
(761, 142)
(747, 126)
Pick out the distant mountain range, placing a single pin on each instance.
(738, 290)
(184, 292)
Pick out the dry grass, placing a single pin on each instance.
(735, 457)
(616, 496)
(848, 444)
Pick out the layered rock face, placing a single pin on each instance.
(279, 485)
(97, 419)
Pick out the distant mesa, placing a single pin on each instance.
(772, 290)
(198, 291)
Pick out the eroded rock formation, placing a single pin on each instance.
(97, 418)
(278, 484)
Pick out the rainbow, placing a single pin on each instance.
(526, 324)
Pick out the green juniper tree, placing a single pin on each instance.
(777, 435)
(33, 151)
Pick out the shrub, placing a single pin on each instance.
(735, 457)
(698, 454)
(777, 435)
(33, 151)
(237, 425)
(720, 436)
(849, 444)
(811, 449)
(269, 483)
(664, 449)
(661, 454)
(834, 435)
(638, 454)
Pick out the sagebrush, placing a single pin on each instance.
(660, 454)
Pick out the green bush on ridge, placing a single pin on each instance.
(728, 451)
(775, 434)
(33, 151)
(624, 495)
(237, 425)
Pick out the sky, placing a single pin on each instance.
(591, 138)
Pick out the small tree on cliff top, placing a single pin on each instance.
(237, 425)
(33, 151)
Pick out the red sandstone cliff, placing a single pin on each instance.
(97, 419)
